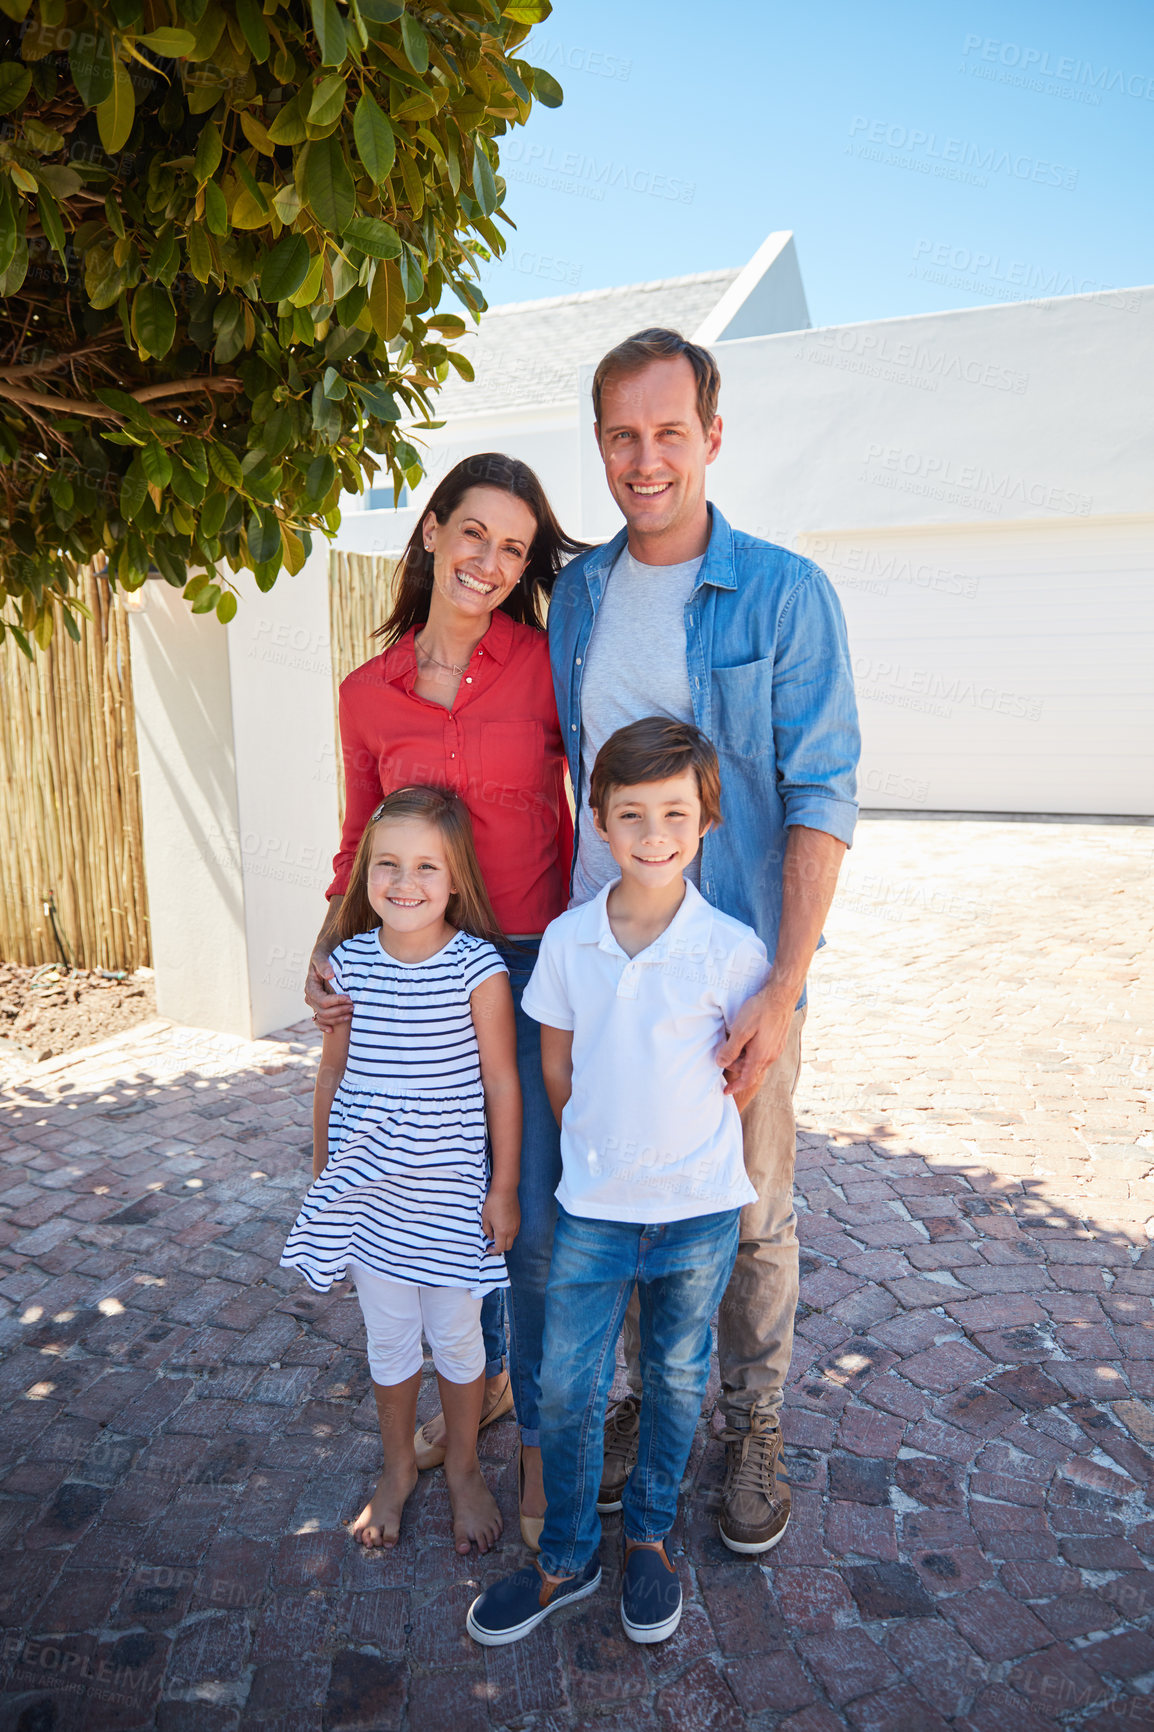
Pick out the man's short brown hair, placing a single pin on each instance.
(653, 750)
(658, 344)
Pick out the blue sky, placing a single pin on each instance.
(925, 156)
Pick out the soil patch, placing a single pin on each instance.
(52, 1009)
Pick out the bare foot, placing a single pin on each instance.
(379, 1523)
(431, 1435)
(476, 1518)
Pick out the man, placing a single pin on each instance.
(682, 615)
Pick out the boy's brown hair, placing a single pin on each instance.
(652, 750)
(658, 344)
(469, 908)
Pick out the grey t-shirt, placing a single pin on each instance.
(635, 666)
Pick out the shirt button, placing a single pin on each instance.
(573, 728)
(578, 661)
(468, 679)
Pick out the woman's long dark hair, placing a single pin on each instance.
(551, 546)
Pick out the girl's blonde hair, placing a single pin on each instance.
(469, 908)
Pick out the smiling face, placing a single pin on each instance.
(656, 452)
(653, 829)
(409, 881)
(480, 552)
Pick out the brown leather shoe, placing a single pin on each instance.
(429, 1439)
(755, 1496)
(622, 1430)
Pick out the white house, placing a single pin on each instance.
(978, 484)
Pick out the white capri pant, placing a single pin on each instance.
(395, 1313)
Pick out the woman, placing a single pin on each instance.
(462, 697)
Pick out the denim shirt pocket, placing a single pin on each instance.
(742, 708)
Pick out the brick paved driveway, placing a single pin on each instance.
(970, 1419)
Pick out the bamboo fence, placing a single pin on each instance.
(70, 823)
(360, 597)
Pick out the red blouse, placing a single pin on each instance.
(498, 747)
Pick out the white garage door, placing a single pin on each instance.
(1005, 668)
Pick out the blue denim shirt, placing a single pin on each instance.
(770, 679)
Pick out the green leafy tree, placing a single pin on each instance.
(226, 232)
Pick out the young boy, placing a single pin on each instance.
(634, 992)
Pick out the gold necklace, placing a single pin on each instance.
(447, 667)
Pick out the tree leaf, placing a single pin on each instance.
(250, 184)
(51, 223)
(484, 185)
(387, 306)
(374, 238)
(15, 83)
(381, 11)
(334, 385)
(207, 598)
(215, 210)
(328, 184)
(377, 400)
(90, 64)
(289, 125)
(375, 140)
(411, 275)
(546, 88)
(330, 32)
(208, 152)
(285, 268)
(322, 472)
(225, 465)
(212, 515)
(226, 607)
(153, 320)
(200, 252)
(264, 541)
(173, 44)
(156, 464)
(256, 134)
(328, 100)
(415, 43)
(311, 287)
(115, 115)
(251, 20)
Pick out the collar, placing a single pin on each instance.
(717, 568)
(400, 662)
(593, 923)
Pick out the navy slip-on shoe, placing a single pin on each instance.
(512, 1607)
(650, 1595)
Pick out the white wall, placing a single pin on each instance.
(980, 486)
(238, 788)
(545, 440)
(182, 696)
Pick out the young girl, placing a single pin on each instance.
(402, 1197)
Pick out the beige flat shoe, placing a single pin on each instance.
(429, 1439)
(531, 1526)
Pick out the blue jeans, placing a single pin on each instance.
(527, 1260)
(681, 1269)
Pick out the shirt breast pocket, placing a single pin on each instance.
(513, 765)
(743, 708)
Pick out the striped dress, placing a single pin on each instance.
(408, 1159)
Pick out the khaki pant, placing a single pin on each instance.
(755, 1322)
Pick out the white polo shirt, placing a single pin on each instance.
(648, 1133)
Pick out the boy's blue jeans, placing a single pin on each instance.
(681, 1269)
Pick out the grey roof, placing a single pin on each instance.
(527, 355)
